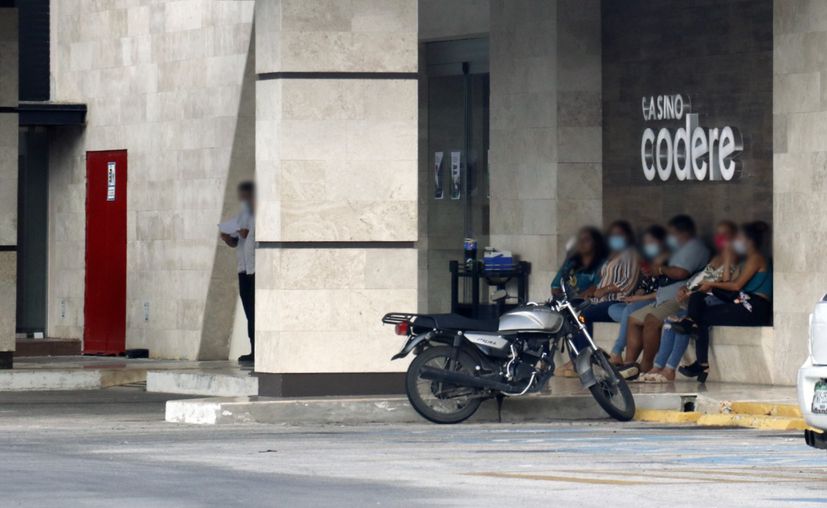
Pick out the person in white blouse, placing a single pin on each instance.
(244, 242)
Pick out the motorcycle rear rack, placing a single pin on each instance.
(393, 318)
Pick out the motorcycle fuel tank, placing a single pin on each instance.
(532, 318)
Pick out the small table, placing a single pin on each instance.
(499, 279)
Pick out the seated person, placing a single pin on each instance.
(689, 255)
(581, 270)
(747, 299)
(722, 267)
(618, 276)
(654, 250)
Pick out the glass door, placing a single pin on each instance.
(457, 142)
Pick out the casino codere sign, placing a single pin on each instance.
(690, 152)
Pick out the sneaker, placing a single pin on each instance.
(247, 358)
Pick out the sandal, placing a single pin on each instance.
(656, 378)
(695, 370)
(630, 371)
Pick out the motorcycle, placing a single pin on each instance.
(460, 362)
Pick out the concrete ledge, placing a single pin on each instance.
(745, 353)
(74, 379)
(218, 384)
(352, 411)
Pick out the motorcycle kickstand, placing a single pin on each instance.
(500, 399)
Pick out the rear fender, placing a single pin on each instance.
(412, 343)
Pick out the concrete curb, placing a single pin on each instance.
(218, 384)
(22, 380)
(395, 409)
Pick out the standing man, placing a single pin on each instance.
(244, 242)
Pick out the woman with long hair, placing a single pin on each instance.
(581, 271)
(747, 298)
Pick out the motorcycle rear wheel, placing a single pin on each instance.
(611, 391)
(428, 397)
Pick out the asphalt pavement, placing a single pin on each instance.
(112, 448)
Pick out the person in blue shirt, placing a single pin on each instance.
(581, 270)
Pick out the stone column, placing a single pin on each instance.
(8, 183)
(546, 138)
(336, 151)
(799, 171)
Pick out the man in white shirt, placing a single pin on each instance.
(244, 242)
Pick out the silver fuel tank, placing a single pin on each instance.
(531, 319)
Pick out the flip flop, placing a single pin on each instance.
(656, 378)
(630, 371)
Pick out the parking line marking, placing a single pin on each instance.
(568, 479)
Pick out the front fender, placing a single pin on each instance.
(583, 366)
(413, 341)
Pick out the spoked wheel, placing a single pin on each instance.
(611, 391)
(438, 401)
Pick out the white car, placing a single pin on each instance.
(812, 379)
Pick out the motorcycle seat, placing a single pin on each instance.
(454, 322)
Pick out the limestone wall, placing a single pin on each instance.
(799, 184)
(8, 179)
(336, 162)
(453, 19)
(545, 160)
(170, 82)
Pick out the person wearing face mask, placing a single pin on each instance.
(747, 299)
(581, 270)
(722, 267)
(653, 247)
(618, 278)
(689, 255)
(242, 239)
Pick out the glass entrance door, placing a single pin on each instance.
(457, 205)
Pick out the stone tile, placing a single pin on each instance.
(579, 109)
(391, 268)
(796, 93)
(440, 20)
(349, 51)
(349, 221)
(580, 144)
(322, 269)
(579, 181)
(182, 15)
(539, 216)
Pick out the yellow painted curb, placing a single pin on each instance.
(760, 422)
(665, 416)
(763, 408)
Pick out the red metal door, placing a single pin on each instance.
(104, 310)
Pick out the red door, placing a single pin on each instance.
(104, 310)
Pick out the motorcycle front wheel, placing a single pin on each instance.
(611, 390)
(438, 401)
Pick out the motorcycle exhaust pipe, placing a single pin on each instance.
(458, 378)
